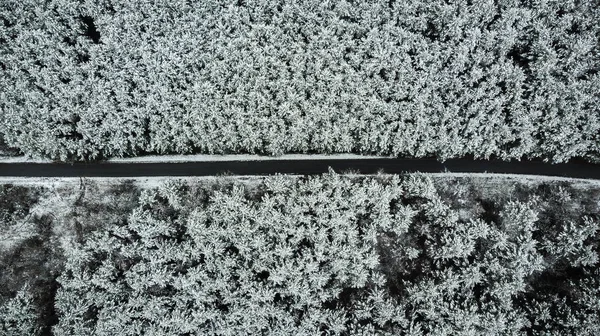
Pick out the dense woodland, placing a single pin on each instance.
(490, 78)
(329, 255)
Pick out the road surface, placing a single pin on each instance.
(299, 167)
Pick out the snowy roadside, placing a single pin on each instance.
(520, 177)
(207, 158)
(22, 159)
(239, 157)
(154, 181)
(140, 181)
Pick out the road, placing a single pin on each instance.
(300, 167)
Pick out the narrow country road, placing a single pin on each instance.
(300, 167)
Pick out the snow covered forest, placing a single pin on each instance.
(320, 255)
(489, 78)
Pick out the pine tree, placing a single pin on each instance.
(19, 316)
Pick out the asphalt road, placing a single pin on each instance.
(300, 167)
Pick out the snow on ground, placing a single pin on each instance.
(142, 181)
(206, 158)
(22, 159)
(522, 178)
(154, 181)
(240, 157)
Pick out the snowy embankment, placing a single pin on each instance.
(22, 159)
(239, 157)
(518, 177)
(207, 158)
(154, 181)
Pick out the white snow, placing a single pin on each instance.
(521, 177)
(141, 181)
(22, 159)
(206, 158)
(153, 181)
(240, 157)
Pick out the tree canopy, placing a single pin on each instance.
(506, 78)
(333, 256)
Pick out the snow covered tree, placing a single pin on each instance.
(18, 315)
(507, 78)
(330, 254)
(292, 261)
